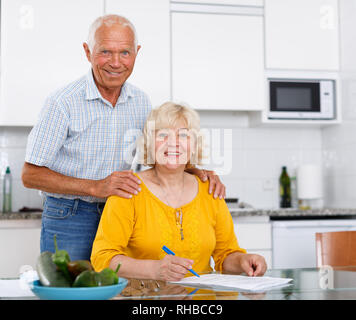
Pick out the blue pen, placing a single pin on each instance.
(166, 250)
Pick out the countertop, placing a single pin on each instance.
(235, 212)
(21, 216)
(294, 213)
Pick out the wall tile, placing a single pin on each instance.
(16, 158)
(286, 157)
(341, 160)
(235, 188)
(14, 137)
(344, 134)
(339, 142)
(23, 197)
(258, 197)
(340, 191)
(310, 156)
(258, 163)
(228, 162)
(281, 138)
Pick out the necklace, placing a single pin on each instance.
(178, 213)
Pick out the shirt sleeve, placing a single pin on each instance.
(114, 231)
(226, 241)
(48, 135)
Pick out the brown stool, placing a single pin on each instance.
(336, 248)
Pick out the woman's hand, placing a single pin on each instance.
(253, 264)
(172, 268)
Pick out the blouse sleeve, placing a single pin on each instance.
(114, 231)
(226, 241)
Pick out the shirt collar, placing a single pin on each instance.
(92, 92)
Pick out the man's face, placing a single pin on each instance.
(113, 56)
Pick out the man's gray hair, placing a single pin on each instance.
(109, 20)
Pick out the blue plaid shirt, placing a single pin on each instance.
(80, 134)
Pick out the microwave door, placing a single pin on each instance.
(294, 100)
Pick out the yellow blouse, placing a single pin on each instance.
(140, 226)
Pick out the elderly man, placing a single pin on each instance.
(76, 152)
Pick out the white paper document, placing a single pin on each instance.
(226, 281)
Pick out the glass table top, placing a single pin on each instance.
(308, 283)
(336, 283)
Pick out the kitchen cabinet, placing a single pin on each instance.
(302, 34)
(254, 234)
(20, 246)
(41, 50)
(294, 243)
(218, 60)
(225, 2)
(152, 23)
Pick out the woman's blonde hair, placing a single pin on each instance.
(167, 116)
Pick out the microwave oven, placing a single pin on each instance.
(301, 99)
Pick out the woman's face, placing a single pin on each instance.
(173, 146)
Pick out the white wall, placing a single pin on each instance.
(12, 152)
(339, 142)
(257, 155)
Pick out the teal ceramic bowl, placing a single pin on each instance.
(90, 293)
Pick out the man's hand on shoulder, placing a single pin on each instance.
(214, 181)
(121, 183)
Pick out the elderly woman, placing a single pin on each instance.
(174, 209)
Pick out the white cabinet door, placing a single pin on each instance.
(294, 244)
(217, 61)
(20, 245)
(255, 237)
(302, 34)
(225, 2)
(152, 67)
(41, 50)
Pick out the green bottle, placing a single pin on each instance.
(284, 189)
(7, 191)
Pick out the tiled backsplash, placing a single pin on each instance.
(340, 165)
(12, 153)
(257, 153)
(339, 142)
(257, 157)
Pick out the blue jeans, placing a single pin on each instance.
(74, 221)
